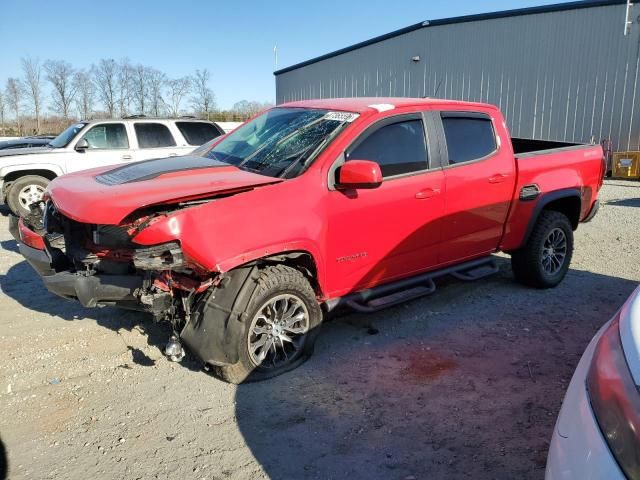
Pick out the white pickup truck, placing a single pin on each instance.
(25, 173)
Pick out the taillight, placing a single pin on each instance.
(615, 400)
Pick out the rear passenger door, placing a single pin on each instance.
(389, 232)
(479, 178)
(155, 140)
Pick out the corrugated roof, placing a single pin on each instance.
(453, 20)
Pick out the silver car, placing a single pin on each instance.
(597, 434)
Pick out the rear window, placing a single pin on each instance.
(153, 135)
(197, 133)
(468, 137)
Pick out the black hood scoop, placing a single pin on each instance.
(148, 169)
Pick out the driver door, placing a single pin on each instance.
(107, 144)
(393, 231)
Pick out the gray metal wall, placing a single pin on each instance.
(557, 75)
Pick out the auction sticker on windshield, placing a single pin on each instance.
(341, 116)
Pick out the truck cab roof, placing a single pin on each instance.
(379, 104)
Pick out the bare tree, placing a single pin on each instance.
(156, 81)
(178, 88)
(3, 111)
(33, 85)
(124, 79)
(248, 109)
(203, 99)
(140, 87)
(14, 91)
(105, 76)
(60, 74)
(85, 93)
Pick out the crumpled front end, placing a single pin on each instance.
(101, 265)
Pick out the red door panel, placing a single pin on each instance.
(378, 235)
(478, 190)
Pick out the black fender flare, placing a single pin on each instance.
(214, 330)
(544, 200)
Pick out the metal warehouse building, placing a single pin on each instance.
(564, 72)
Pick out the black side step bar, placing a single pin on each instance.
(383, 296)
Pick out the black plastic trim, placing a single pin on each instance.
(214, 332)
(38, 259)
(357, 299)
(543, 201)
(91, 290)
(592, 212)
(465, 114)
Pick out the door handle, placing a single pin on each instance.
(498, 178)
(173, 154)
(427, 193)
(126, 157)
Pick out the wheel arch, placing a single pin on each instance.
(300, 260)
(13, 175)
(302, 256)
(566, 201)
(40, 172)
(214, 337)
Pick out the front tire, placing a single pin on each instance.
(281, 326)
(544, 261)
(25, 191)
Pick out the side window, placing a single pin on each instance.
(468, 138)
(153, 135)
(197, 133)
(107, 136)
(398, 148)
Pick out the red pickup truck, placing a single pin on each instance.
(310, 206)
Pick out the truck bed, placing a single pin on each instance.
(559, 166)
(529, 146)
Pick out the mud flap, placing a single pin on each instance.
(214, 332)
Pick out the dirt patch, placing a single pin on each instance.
(466, 383)
(426, 365)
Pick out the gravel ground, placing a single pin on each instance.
(466, 383)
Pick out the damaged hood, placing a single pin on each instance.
(108, 195)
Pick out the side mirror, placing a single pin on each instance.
(359, 174)
(82, 145)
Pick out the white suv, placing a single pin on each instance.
(25, 173)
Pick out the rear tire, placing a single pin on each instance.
(544, 260)
(280, 290)
(24, 191)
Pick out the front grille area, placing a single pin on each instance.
(112, 236)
